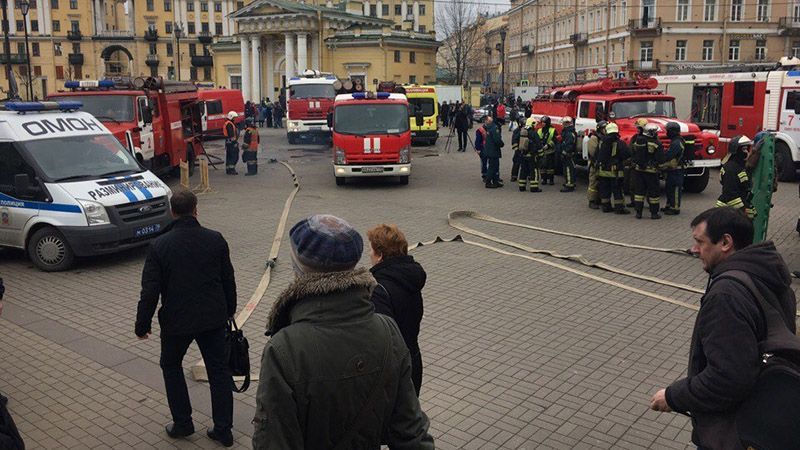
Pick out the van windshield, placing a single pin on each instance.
(80, 157)
(116, 108)
(371, 118)
(643, 108)
(422, 104)
(312, 91)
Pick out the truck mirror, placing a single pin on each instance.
(329, 119)
(419, 120)
(22, 185)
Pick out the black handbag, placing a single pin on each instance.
(239, 355)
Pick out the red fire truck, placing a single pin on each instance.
(623, 101)
(371, 136)
(732, 100)
(215, 105)
(309, 99)
(158, 121)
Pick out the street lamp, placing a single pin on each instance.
(25, 6)
(176, 28)
(503, 64)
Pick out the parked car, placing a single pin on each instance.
(479, 113)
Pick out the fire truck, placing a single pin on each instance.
(744, 100)
(309, 99)
(623, 101)
(371, 135)
(159, 121)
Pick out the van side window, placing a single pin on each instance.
(214, 107)
(12, 164)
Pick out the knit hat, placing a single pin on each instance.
(325, 243)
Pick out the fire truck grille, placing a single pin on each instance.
(318, 115)
(142, 210)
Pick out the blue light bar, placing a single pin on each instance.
(359, 95)
(383, 95)
(294, 78)
(330, 77)
(89, 84)
(68, 105)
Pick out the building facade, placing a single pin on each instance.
(587, 39)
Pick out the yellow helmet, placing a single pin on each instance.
(530, 122)
(612, 128)
(641, 122)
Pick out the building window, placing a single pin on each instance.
(412, 57)
(189, 6)
(35, 50)
(37, 71)
(168, 27)
(204, 27)
(169, 49)
(190, 28)
(683, 11)
(150, 6)
(204, 6)
(76, 47)
(680, 51)
(423, 29)
(733, 50)
(167, 5)
(20, 48)
(75, 26)
(73, 4)
(57, 48)
(398, 10)
(412, 79)
(77, 72)
(373, 10)
(421, 9)
(20, 26)
(192, 49)
(193, 73)
(153, 49)
(53, 4)
(218, 28)
(708, 50)
(761, 50)
(59, 72)
(34, 25)
(384, 10)
(646, 51)
(56, 26)
(206, 73)
(710, 10)
(796, 49)
(236, 81)
(737, 10)
(762, 11)
(217, 6)
(397, 56)
(239, 5)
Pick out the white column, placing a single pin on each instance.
(245, 56)
(403, 14)
(255, 43)
(270, 72)
(315, 51)
(225, 31)
(48, 18)
(132, 18)
(289, 41)
(416, 15)
(379, 9)
(184, 15)
(98, 21)
(12, 23)
(231, 22)
(197, 25)
(366, 7)
(302, 52)
(40, 16)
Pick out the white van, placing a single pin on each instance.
(68, 188)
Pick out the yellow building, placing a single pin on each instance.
(370, 40)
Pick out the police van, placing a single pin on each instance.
(69, 189)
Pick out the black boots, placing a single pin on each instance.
(620, 209)
(567, 189)
(593, 205)
(226, 439)
(176, 431)
(654, 211)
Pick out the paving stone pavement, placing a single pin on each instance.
(516, 354)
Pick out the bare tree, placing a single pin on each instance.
(460, 23)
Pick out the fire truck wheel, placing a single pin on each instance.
(404, 180)
(49, 250)
(783, 162)
(340, 181)
(695, 185)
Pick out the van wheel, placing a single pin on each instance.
(190, 158)
(49, 250)
(695, 185)
(783, 162)
(340, 181)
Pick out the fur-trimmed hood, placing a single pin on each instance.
(315, 285)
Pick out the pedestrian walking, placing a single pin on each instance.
(250, 153)
(445, 111)
(399, 291)
(736, 184)
(231, 132)
(725, 357)
(334, 374)
(611, 157)
(277, 115)
(480, 140)
(461, 125)
(674, 169)
(492, 151)
(189, 269)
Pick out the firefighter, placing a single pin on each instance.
(629, 186)
(547, 151)
(674, 169)
(595, 138)
(250, 151)
(231, 144)
(569, 141)
(528, 161)
(515, 137)
(736, 185)
(611, 157)
(648, 155)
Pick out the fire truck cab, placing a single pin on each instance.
(159, 121)
(623, 101)
(371, 136)
(309, 98)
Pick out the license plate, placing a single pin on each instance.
(315, 128)
(149, 229)
(372, 170)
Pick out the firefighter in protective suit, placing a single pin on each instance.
(547, 151)
(231, 144)
(569, 141)
(611, 159)
(736, 184)
(595, 138)
(674, 169)
(647, 155)
(529, 160)
(250, 149)
(515, 148)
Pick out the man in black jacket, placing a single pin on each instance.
(724, 359)
(190, 268)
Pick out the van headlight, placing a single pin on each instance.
(338, 156)
(405, 155)
(711, 150)
(95, 212)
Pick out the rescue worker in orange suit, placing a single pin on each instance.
(611, 159)
(674, 169)
(568, 148)
(648, 155)
(250, 150)
(529, 159)
(547, 151)
(736, 185)
(592, 145)
(231, 144)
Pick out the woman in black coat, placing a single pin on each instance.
(461, 124)
(399, 291)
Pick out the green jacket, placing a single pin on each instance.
(493, 144)
(326, 354)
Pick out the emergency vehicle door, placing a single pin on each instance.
(145, 118)
(587, 111)
(789, 120)
(203, 115)
(16, 208)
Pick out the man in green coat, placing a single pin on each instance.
(334, 375)
(492, 152)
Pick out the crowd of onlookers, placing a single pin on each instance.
(267, 113)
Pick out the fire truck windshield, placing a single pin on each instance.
(80, 157)
(642, 108)
(371, 118)
(422, 104)
(312, 91)
(117, 108)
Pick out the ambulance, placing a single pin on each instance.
(423, 99)
(68, 188)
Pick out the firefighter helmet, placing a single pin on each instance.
(601, 126)
(612, 128)
(530, 122)
(546, 120)
(641, 122)
(673, 128)
(232, 115)
(740, 144)
(566, 120)
(651, 129)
